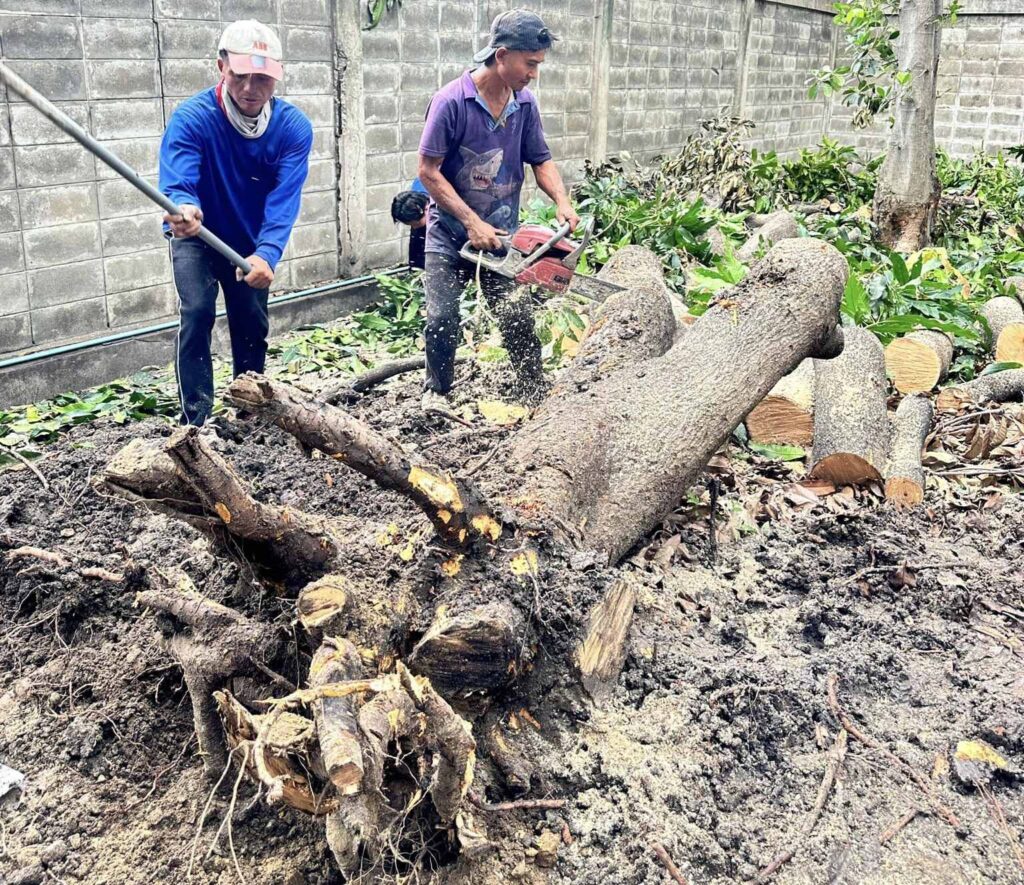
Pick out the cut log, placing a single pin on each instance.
(904, 475)
(1006, 320)
(336, 724)
(776, 227)
(919, 360)
(999, 387)
(786, 415)
(457, 512)
(323, 604)
(603, 651)
(607, 464)
(1017, 284)
(851, 423)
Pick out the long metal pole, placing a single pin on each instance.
(56, 116)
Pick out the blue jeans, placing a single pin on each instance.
(198, 273)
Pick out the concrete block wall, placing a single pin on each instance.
(81, 251)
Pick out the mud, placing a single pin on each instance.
(713, 743)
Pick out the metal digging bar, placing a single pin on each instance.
(64, 122)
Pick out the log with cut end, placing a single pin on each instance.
(601, 655)
(999, 387)
(851, 423)
(775, 227)
(904, 475)
(786, 415)
(337, 729)
(322, 606)
(919, 360)
(1006, 320)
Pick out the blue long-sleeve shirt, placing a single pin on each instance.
(249, 189)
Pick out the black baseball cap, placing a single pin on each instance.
(519, 30)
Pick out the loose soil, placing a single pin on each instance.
(714, 742)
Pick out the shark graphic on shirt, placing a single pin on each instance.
(478, 185)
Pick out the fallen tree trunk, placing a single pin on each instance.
(851, 424)
(919, 360)
(1005, 318)
(786, 415)
(904, 475)
(999, 387)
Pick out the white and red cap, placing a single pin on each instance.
(252, 48)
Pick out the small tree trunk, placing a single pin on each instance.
(918, 361)
(1006, 320)
(999, 387)
(851, 424)
(908, 190)
(904, 475)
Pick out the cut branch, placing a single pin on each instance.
(904, 475)
(786, 415)
(999, 387)
(1005, 318)
(774, 228)
(918, 361)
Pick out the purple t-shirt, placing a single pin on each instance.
(483, 157)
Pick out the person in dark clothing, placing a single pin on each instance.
(410, 207)
(233, 157)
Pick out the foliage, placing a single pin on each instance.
(832, 172)
(871, 81)
(981, 191)
(375, 10)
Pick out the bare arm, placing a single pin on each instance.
(481, 235)
(549, 180)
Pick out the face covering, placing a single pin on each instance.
(247, 127)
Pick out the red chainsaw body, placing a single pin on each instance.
(550, 272)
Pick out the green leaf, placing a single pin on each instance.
(778, 452)
(991, 369)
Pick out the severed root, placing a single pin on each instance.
(322, 606)
(219, 643)
(904, 475)
(998, 387)
(59, 560)
(337, 729)
(602, 653)
(453, 506)
(918, 361)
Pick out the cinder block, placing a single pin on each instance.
(185, 77)
(282, 277)
(10, 214)
(318, 206)
(311, 239)
(11, 257)
(15, 332)
(411, 133)
(39, 37)
(53, 164)
(322, 176)
(142, 154)
(387, 77)
(324, 144)
(262, 10)
(309, 78)
(68, 321)
(189, 39)
(119, 38)
(58, 80)
(197, 9)
(137, 270)
(381, 45)
(141, 306)
(51, 286)
(380, 109)
(382, 255)
(309, 44)
(49, 206)
(381, 139)
(420, 46)
(28, 126)
(421, 76)
(379, 226)
(133, 233)
(118, 8)
(118, 198)
(305, 12)
(60, 245)
(13, 294)
(383, 168)
(7, 179)
(124, 79)
(315, 268)
(50, 7)
(318, 108)
(134, 118)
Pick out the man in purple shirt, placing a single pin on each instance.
(481, 129)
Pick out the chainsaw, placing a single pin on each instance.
(536, 255)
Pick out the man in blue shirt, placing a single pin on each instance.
(233, 158)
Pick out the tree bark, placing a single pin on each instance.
(851, 424)
(919, 360)
(999, 387)
(904, 475)
(908, 190)
(1005, 318)
(607, 464)
(773, 228)
(786, 415)
(603, 652)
